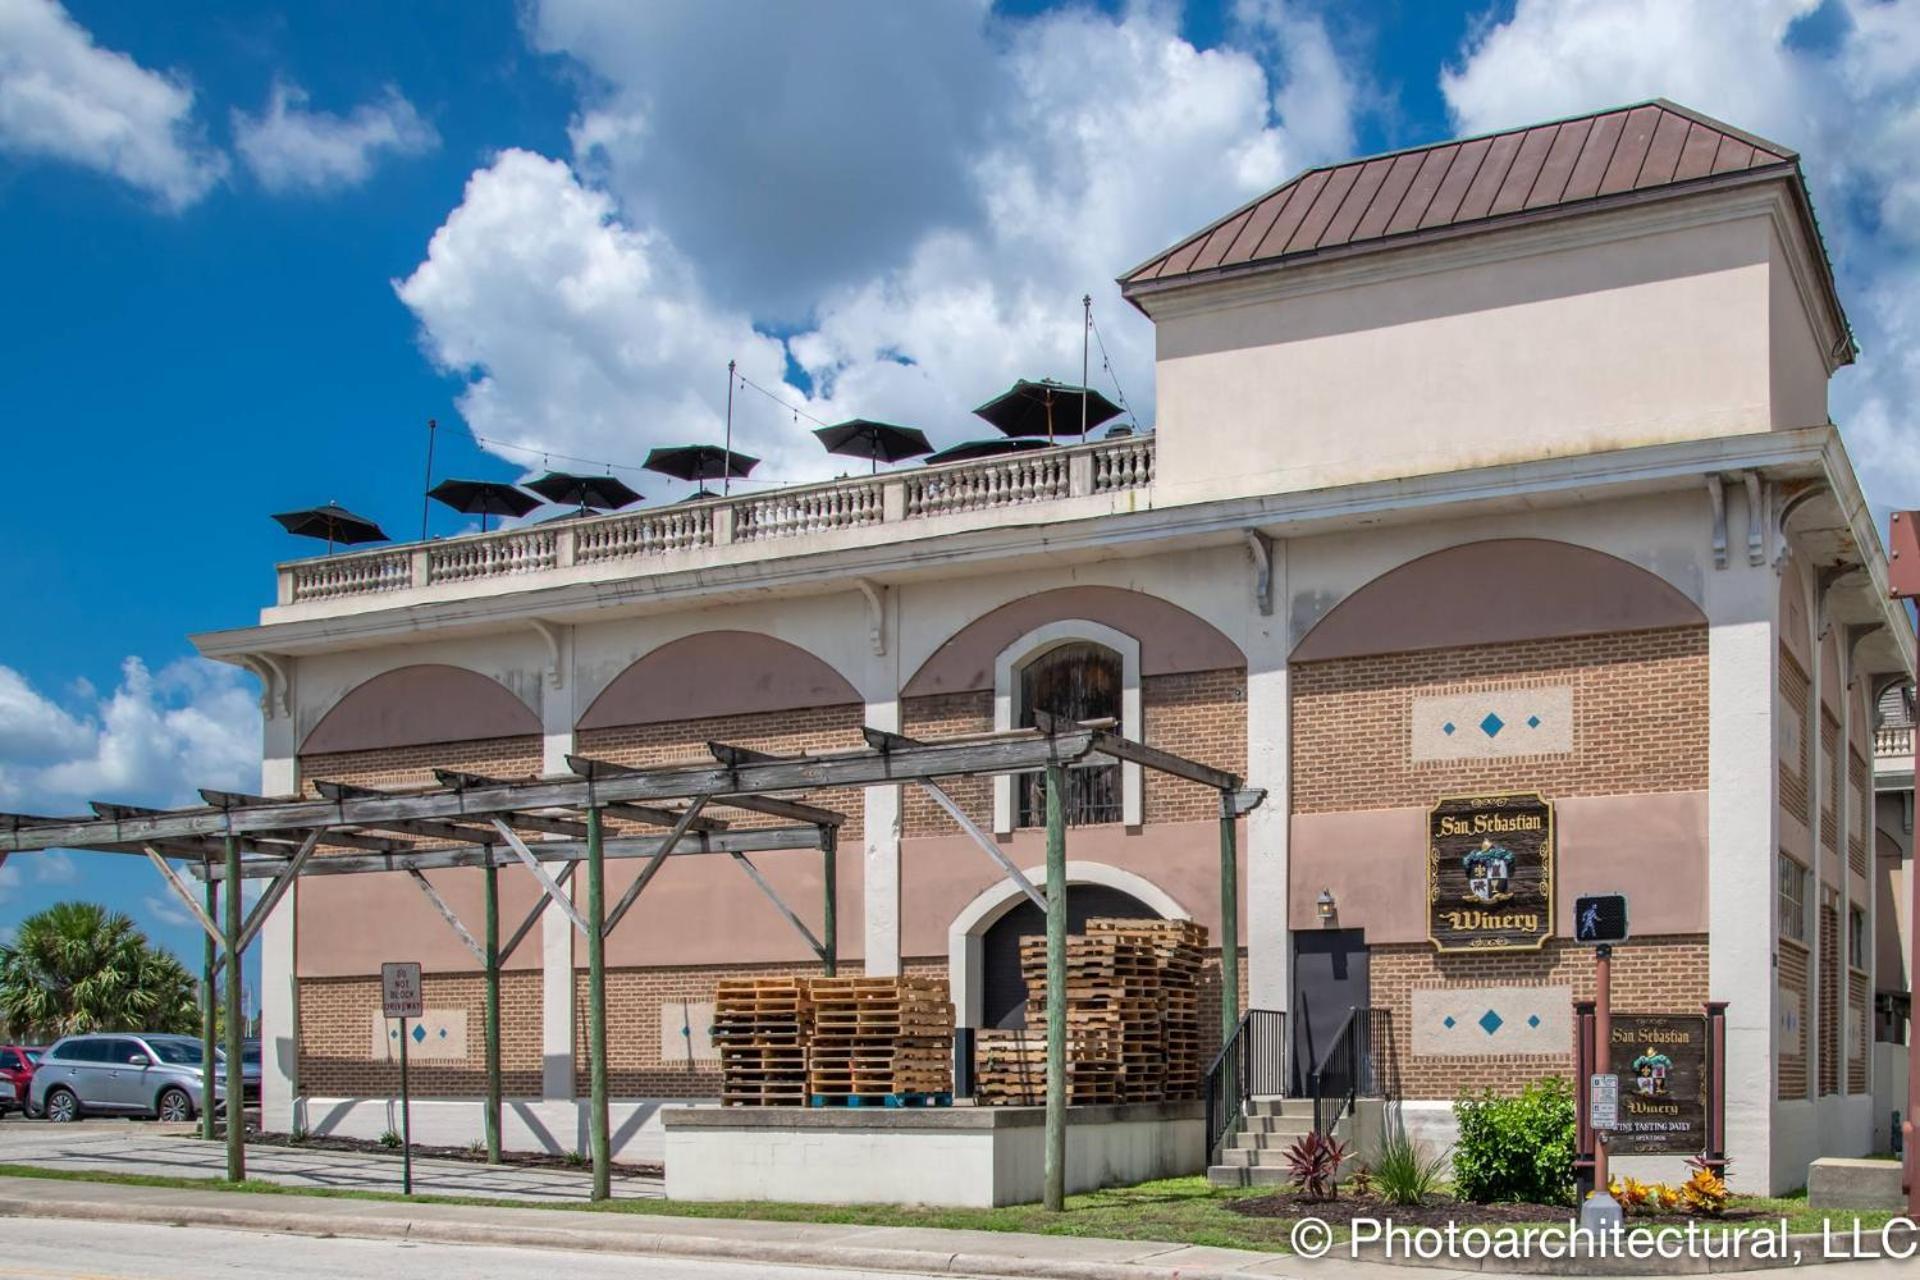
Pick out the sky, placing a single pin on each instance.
(249, 250)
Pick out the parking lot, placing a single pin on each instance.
(173, 1150)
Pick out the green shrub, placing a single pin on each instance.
(1516, 1149)
(391, 1140)
(1405, 1171)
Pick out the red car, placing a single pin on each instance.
(17, 1062)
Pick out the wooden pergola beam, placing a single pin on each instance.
(852, 769)
(773, 807)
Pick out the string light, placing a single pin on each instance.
(1107, 364)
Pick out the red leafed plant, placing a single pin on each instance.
(1314, 1162)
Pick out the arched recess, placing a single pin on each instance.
(717, 673)
(414, 705)
(966, 946)
(1171, 639)
(1495, 592)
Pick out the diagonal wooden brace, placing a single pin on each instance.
(277, 889)
(658, 860)
(448, 914)
(533, 916)
(753, 873)
(985, 841)
(552, 890)
(185, 895)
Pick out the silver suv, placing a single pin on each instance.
(122, 1074)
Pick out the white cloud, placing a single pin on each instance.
(167, 909)
(290, 147)
(1838, 82)
(154, 740)
(64, 97)
(594, 309)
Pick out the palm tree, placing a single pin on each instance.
(78, 967)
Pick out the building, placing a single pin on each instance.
(1497, 468)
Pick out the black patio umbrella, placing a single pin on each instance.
(1047, 408)
(877, 441)
(334, 523)
(698, 495)
(698, 462)
(601, 493)
(973, 449)
(483, 498)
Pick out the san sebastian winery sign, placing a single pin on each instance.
(1490, 873)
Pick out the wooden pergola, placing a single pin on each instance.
(552, 825)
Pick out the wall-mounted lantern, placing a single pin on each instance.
(1325, 905)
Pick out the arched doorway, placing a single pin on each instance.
(1003, 996)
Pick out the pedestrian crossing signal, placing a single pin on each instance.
(1600, 919)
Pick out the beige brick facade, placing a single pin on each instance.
(414, 766)
(1661, 975)
(1793, 1049)
(336, 1038)
(1640, 709)
(1796, 691)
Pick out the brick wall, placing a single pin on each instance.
(796, 732)
(413, 766)
(1796, 691)
(1201, 715)
(1830, 1040)
(1667, 975)
(1856, 835)
(939, 716)
(336, 1038)
(1793, 1056)
(1830, 785)
(1860, 1033)
(1640, 712)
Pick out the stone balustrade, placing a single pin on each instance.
(916, 494)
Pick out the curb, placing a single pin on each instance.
(526, 1236)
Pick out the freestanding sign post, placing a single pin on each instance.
(1903, 581)
(1601, 921)
(400, 998)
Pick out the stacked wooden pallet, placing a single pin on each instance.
(1179, 948)
(1010, 1068)
(761, 1027)
(1114, 1012)
(880, 1042)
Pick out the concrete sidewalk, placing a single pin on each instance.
(122, 1146)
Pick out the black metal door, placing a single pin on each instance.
(1329, 980)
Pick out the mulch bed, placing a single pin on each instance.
(466, 1155)
(1437, 1212)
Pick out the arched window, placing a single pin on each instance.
(1076, 681)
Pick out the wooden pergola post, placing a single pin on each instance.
(830, 909)
(236, 1080)
(493, 1014)
(1056, 1155)
(597, 1006)
(1229, 919)
(208, 1025)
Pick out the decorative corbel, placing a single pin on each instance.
(1852, 636)
(1260, 546)
(876, 597)
(1717, 497)
(1783, 509)
(556, 673)
(1756, 520)
(1823, 581)
(276, 688)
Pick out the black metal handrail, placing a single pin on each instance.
(1252, 1063)
(1344, 1070)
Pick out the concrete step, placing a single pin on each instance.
(1281, 1107)
(1295, 1125)
(1221, 1175)
(1276, 1140)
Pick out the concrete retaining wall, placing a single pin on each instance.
(968, 1156)
(555, 1127)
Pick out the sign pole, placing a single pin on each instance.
(1601, 1212)
(401, 997)
(406, 1118)
(1903, 580)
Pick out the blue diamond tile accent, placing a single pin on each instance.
(1491, 1022)
(1534, 1021)
(1448, 1024)
(1492, 725)
(443, 1033)
(1447, 728)
(419, 1033)
(1533, 722)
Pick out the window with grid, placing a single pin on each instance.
(1793, 899)
(1077, 681)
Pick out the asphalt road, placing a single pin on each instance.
(50, 1249)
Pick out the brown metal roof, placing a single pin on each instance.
(1564, 165)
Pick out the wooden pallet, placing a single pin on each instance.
(761, 1027)
(875, 1038)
